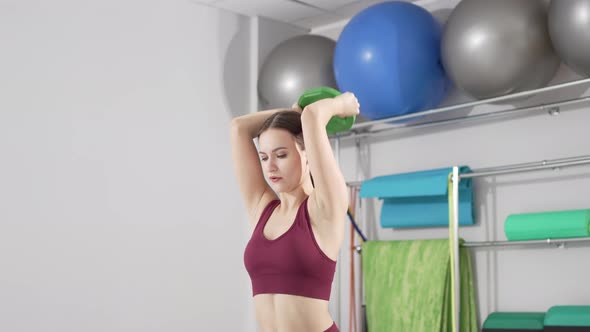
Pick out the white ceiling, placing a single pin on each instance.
(305, 13)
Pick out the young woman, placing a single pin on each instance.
(296, 201)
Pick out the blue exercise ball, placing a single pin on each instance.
(388, 55)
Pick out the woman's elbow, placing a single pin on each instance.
(236, 122)
(237, 125)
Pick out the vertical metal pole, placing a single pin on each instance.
(252, 108)
(457, 280)
(253, 70)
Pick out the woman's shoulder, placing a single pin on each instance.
(267, 200)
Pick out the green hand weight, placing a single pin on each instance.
(336, 123)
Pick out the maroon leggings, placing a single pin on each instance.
(333, 328)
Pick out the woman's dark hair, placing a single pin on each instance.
(287, 120)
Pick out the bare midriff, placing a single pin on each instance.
(291, 313)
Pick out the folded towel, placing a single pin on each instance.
(408, 286)
(419, 199)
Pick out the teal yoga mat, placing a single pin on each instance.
(419, 199)
(568, 316)
(515, 321)
(548, 225)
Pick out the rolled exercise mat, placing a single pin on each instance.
(419, 199)
(408, 285)
(548, 225)
(574, 318)
(514, 322)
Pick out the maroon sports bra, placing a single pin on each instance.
(291, 264)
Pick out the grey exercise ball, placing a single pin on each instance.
(493, 48)
(569, 28)
(293, 66)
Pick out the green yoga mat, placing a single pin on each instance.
(408, 286)
(548, 225)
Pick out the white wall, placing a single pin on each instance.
(529, 279)
(118, 206)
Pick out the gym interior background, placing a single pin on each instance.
(118, 206)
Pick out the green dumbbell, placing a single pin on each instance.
(336, 123)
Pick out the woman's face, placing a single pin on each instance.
(283, 162)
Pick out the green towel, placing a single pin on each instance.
(408, 286)
(547, 225)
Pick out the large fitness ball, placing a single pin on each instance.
(293, 66)
(492, 48)
(388, 55)
(569, 28)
